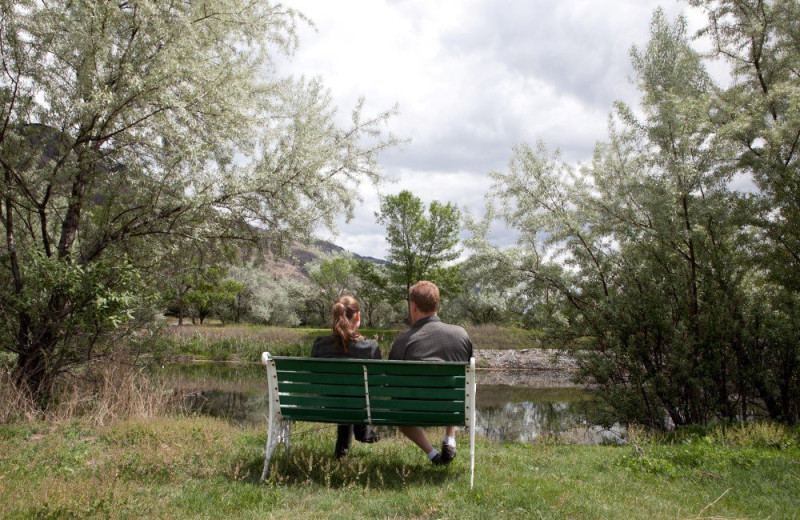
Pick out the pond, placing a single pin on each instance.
(504, 413)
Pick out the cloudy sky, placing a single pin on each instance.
(472, 78)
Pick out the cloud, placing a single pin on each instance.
(472, 79)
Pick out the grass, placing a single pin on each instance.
(103, 392)
(191, 467)
(502, 337)
(116, 449)
(247, 342)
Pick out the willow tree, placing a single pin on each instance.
(640, 250)
(131, 127)
(757, 117)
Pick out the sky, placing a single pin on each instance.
(472, 79)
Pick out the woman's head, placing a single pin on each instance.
(346, 315)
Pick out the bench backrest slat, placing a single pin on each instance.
(420, 405)
(445, 381)
(377, 366)
(425, 381)
(416, 418)
(293, 388)
(451, 394)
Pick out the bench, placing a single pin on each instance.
(374, 392)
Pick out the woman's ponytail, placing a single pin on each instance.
(343, 328)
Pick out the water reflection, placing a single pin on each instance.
(503, 413)
(241, 407)
(562, 416)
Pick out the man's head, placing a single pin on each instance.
(424, 299)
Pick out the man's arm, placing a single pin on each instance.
(398, 351)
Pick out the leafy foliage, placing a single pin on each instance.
(421, 241)
(646, 260)
(133, 131)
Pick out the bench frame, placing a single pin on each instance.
(291, 379)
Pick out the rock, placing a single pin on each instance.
(527, 367)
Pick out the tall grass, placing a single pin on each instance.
(502, 338)
(105, 392)
(14, 404)
(237, 342)
(247, 342)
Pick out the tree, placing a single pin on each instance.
(373, 293)
(330, 278)
(483, 297)
(640, 256)
(757, 118)
(268, 298)
(420, 242)
(181, 271)
(333, 276)
(212, 293)
(131, 128)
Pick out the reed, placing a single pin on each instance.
(15, 405)
(103, 393)
(236, 342)
(501, 338)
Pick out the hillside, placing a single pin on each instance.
(294, 265)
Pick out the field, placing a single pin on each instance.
(191, 467)
(127, 452)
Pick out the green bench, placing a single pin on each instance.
(374, 392)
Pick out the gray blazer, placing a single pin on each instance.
(325, 347)
(429, 339)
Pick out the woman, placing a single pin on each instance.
(346, 342)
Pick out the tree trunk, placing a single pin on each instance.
(34, 374)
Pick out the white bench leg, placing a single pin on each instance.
(471, 456)
(279, 433)
(471, 389)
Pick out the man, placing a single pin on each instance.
(429, 339)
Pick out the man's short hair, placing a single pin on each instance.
(425, 295)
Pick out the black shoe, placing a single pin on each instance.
(448, 453)
(438, 460)
(342, 453)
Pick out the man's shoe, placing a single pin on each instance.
(438, 460)
(448, 453)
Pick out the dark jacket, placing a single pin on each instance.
(325, 347)
(429, 339)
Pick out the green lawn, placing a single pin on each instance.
(191, 467)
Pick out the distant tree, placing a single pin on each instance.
(129, 129)
(182, 270)
(267, 298)
(420, 241)
(373, 293)
(212, 294)
(330, 277)
(482, 297)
